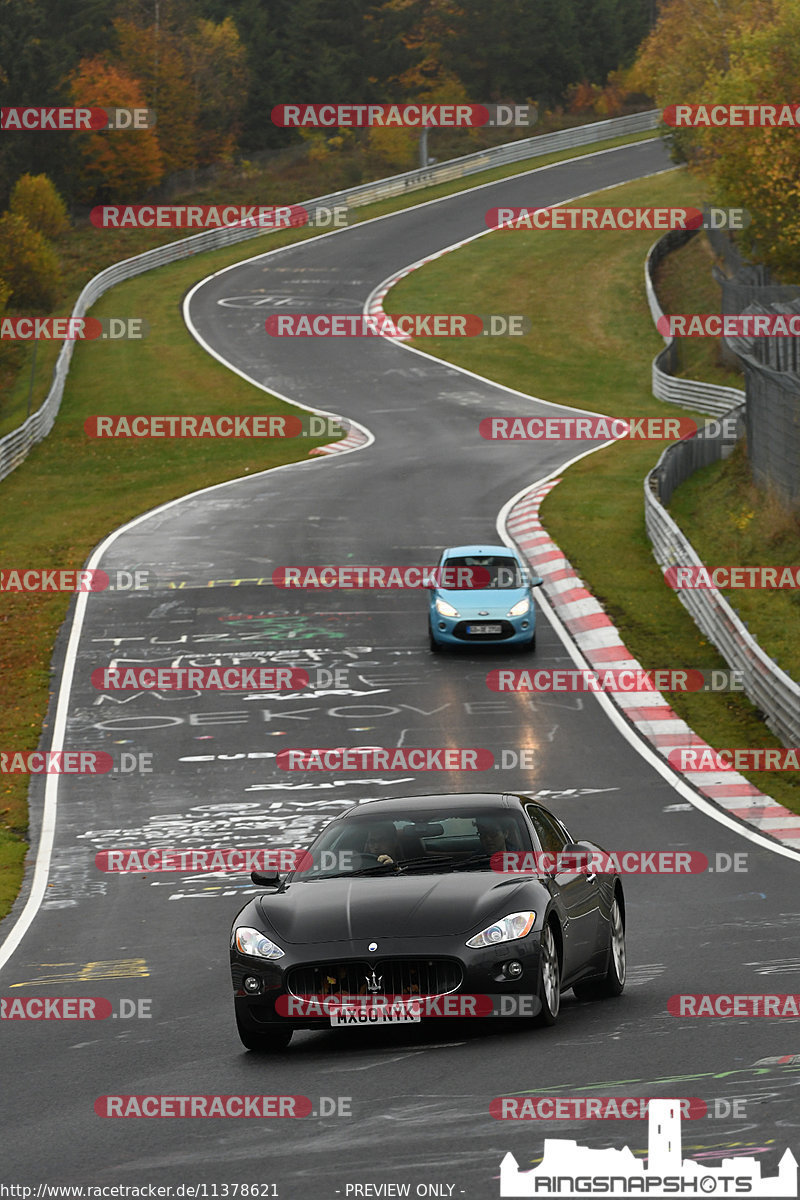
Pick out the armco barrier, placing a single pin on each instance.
(15, 446)
(691, 393)
(769, 688)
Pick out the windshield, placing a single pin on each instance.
(415, 843)
(503, 570)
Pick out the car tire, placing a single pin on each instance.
(549, 978)
(266, 1041)
(612, 983)
(530, 646)
(432, 642)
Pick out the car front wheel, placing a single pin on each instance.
(549, 978)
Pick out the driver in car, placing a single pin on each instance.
(383, 842)
(495, 838)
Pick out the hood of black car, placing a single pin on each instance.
(372, 907)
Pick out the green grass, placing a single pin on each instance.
(70, 492)
(591, 345)
(684, 284)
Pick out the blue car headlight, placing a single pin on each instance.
(507, 929)
(520, 608)
(444, 609)
(256, 944)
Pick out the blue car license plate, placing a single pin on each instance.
(484, 629)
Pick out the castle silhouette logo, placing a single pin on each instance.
(568, 1169)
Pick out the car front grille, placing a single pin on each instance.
(393, 976)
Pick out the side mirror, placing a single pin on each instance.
(536, 581)
(579, 856)
(264, 880)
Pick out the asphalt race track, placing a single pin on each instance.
(414, 1103)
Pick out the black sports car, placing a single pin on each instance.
(403, 915)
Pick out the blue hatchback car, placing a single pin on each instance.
(498, 611)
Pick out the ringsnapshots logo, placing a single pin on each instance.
(567, 1169)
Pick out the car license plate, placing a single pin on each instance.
(484, 629)
(376, 1014)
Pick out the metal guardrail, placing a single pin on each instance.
(15, 446)
(691, 393)
(774, 692)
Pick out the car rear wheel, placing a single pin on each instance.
(266, 1041)
(549, 978)
(613, 981)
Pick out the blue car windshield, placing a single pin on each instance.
(503, 571)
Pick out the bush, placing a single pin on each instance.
(28, 264)
(34, 198)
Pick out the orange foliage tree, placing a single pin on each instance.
(115, 164)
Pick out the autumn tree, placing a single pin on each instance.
(747, 52)
(28, 264)
(219, 77)
(115, 164)
(34, 198)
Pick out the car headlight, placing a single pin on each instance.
(520, 608)
(253, 942)
(507, 929)
(444, 609)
